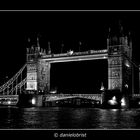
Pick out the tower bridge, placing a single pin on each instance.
(120, 70)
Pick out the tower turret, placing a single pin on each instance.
(33, 55)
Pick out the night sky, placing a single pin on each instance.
(80, 76)
(91, 28)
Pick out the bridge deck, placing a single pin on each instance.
(51, 97)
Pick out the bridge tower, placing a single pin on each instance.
(38, 70)
(43, 76)
(120, 68)
(32, 68)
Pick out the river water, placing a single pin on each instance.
(68, 118)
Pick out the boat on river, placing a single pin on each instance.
(9, 101)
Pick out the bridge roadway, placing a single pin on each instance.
(56, 97)
(76, 57)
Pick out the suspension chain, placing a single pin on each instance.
(11, 82)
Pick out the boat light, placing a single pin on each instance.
(9, 102)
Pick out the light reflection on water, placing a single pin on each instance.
(68, 118)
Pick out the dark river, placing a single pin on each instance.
(68, 118)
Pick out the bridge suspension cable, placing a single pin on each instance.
(18, 86)
(12, 85)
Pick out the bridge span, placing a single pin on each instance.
(50, 97)
(92, 55)
(73, 100)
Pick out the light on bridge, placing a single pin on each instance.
(126, 85)
(9, 102)
(114, 110)
(112, 101)
(98, 102)
(102, 87)
(123, 102)
(71, 52)
(33, 101)
(127, 64)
